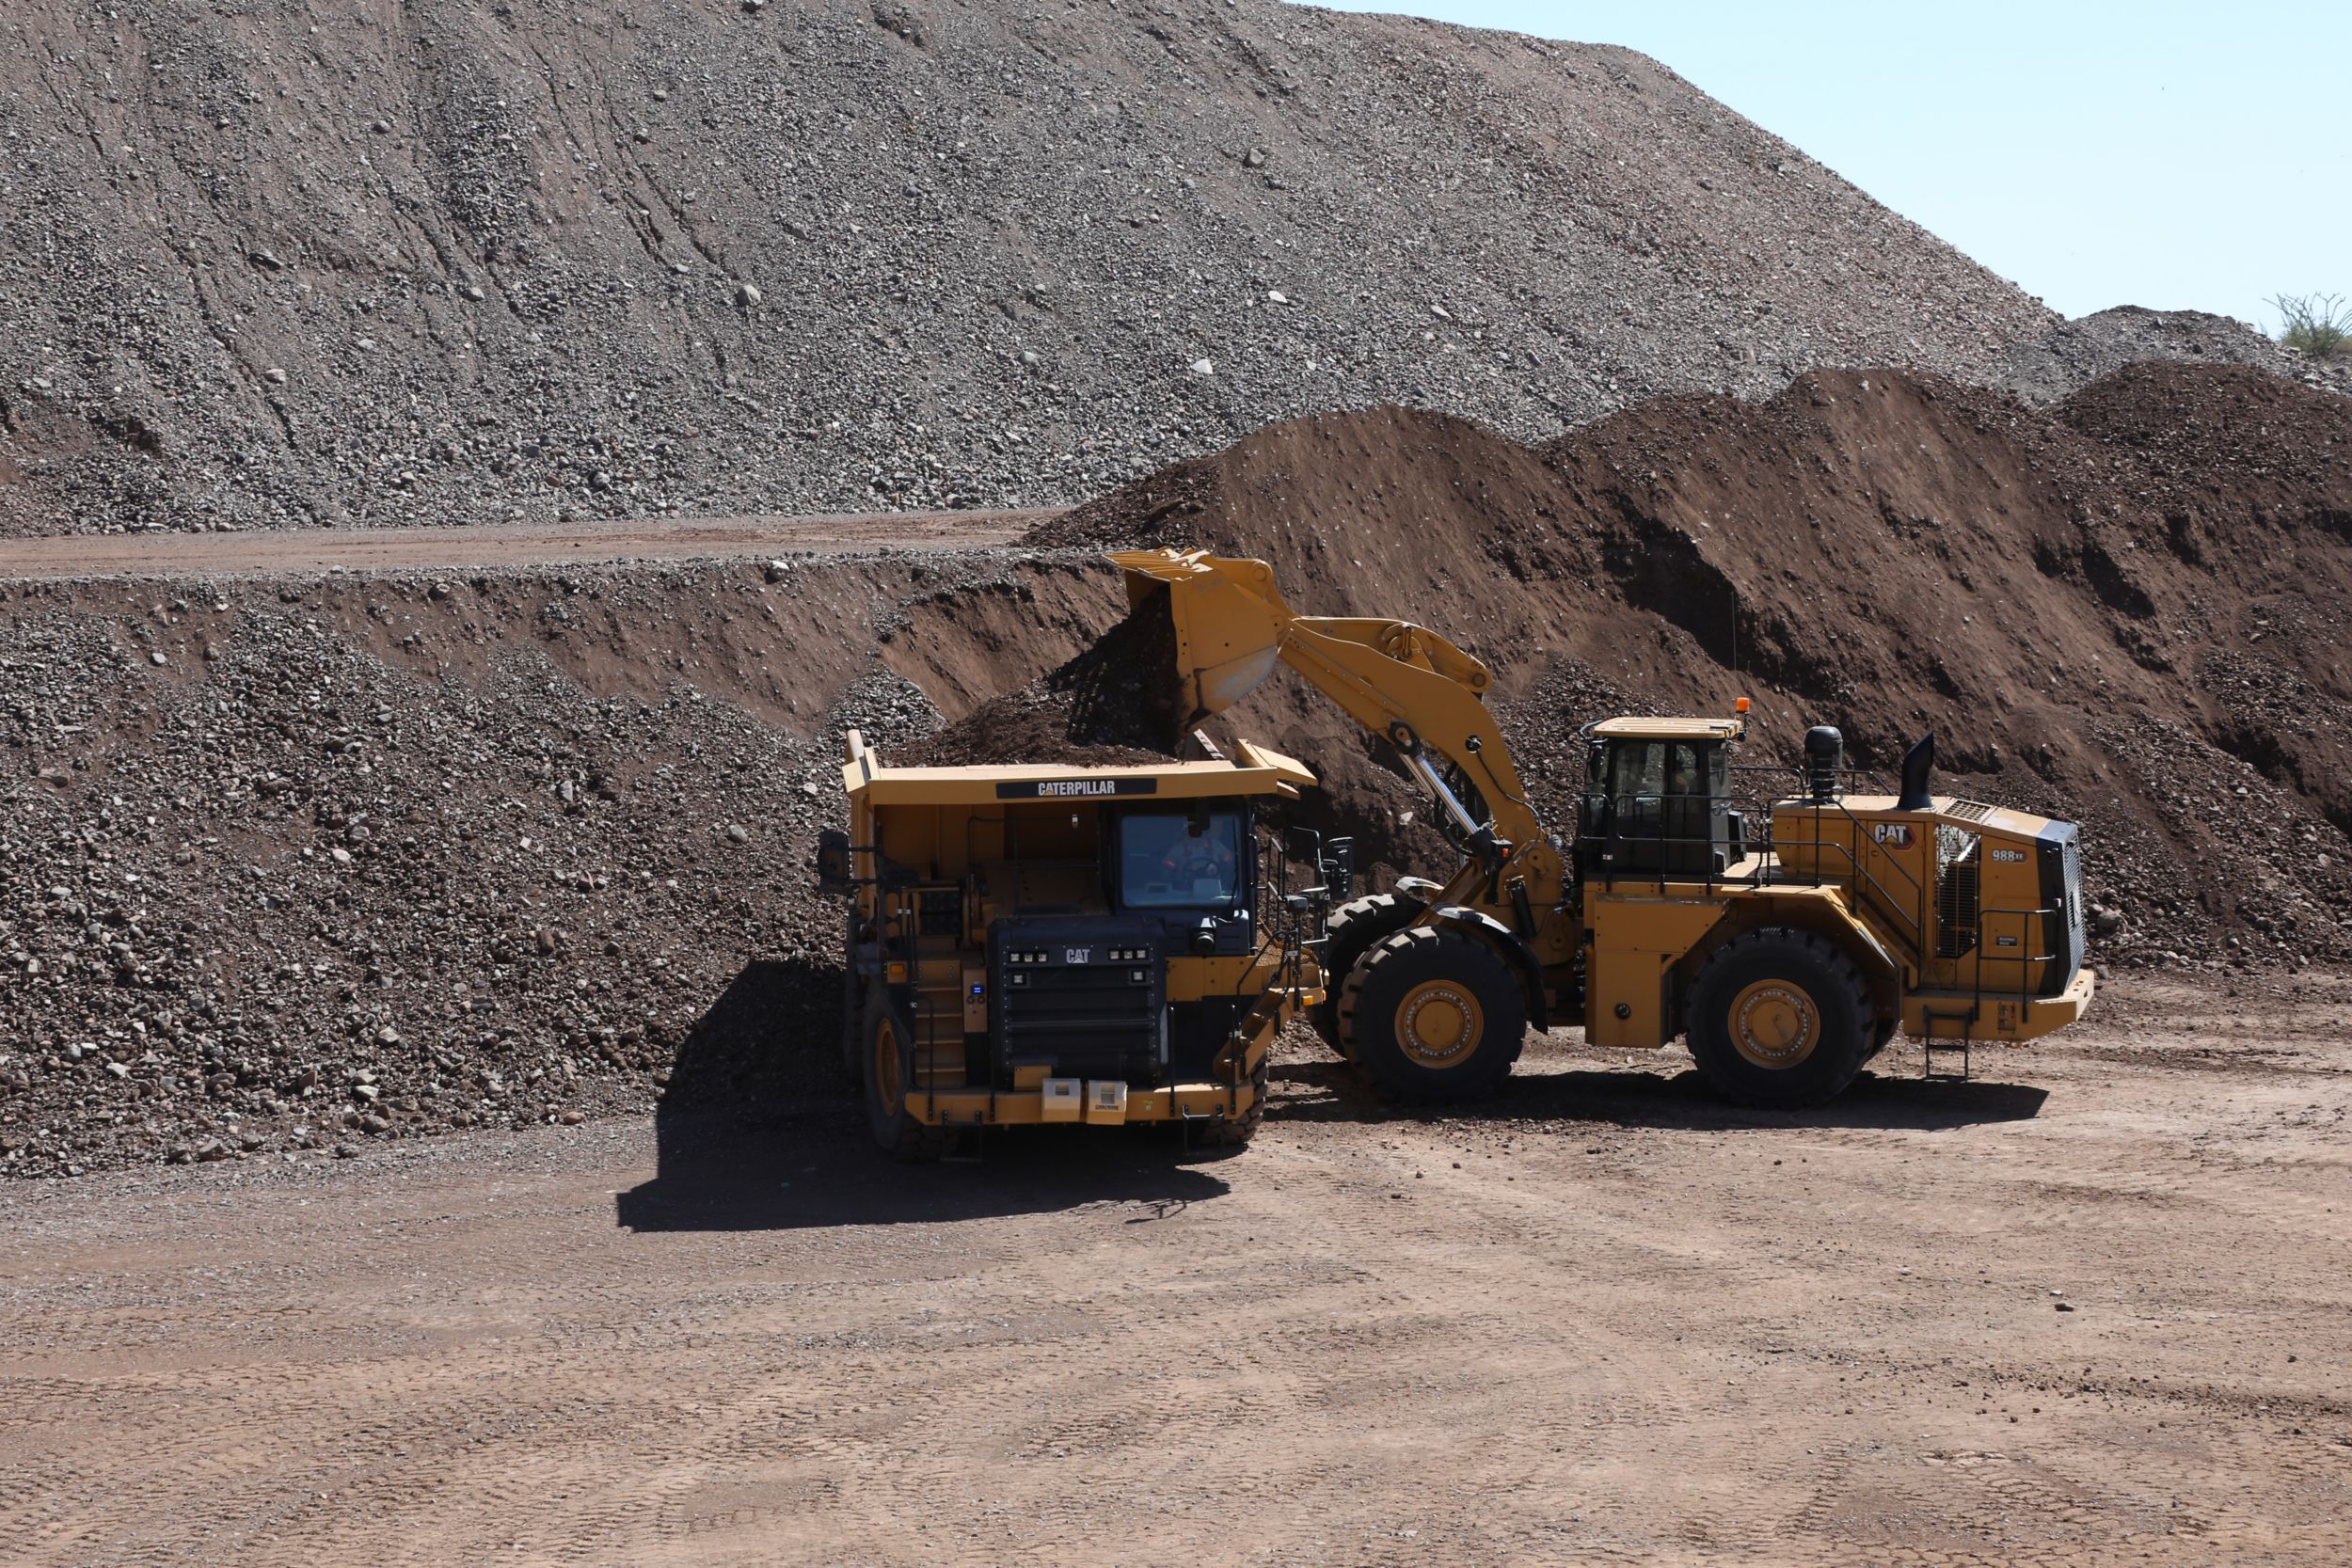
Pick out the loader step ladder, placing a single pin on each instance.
(1932, 1044)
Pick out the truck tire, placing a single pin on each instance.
(1779, 1018)
(898, 1134)
(1434, 1016)
(852, 1002)
(1350, 933)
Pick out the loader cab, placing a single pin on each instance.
(1656, 799)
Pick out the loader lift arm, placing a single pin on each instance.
(1400, 681)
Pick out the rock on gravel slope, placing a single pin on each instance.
(330, 261)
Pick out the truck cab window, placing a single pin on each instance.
(1164, 864)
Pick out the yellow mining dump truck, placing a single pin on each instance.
(1038, 943)
(1786, 943)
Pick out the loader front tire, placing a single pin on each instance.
(882, 1068)
(1351, 932)
(1779, 1018)
(1434, 1016)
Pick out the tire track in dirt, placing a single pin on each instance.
(1624, 1336)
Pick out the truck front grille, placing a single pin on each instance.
(1059, 998)
(2062, 890)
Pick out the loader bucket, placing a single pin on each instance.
(1228, 616)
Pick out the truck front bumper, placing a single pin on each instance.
(1036, 1107)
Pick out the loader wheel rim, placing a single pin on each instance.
(1439, 1023)
(886, 1065)
(1776, 1024)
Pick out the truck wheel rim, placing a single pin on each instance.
(886, 1065)
(1774, 1023)
(1439, 1023)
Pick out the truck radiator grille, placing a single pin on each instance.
(1956, 910)
(2062, 890)
(1059, 998)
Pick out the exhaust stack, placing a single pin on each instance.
(1917, 763)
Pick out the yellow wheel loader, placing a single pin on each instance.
(1786, 951)
(1038, 943)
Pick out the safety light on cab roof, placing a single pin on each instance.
(1738, 705)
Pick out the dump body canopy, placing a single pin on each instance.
(1258, 771)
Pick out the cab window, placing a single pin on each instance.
(1641, 771)
(1163, 863)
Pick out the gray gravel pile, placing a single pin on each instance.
(2070, 356)
(326, 260)
(288, 866)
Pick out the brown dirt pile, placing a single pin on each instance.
(2130, 608)
(1114, 703)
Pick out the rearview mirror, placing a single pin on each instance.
(1339, 868)
(833, 862)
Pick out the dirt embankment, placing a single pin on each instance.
(288, 862)
(2131, 608)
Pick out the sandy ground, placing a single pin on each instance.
(387, 549)
(1598, 1319)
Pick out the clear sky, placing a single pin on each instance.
(2174, 155)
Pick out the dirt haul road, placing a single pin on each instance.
(577, 543)
(2090, 1308)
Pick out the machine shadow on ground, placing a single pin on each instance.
(1333, 1091)
(759, 1129)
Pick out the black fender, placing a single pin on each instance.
(1510, 945)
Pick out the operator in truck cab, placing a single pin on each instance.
(1172, 861)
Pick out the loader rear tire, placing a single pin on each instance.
(1351, 932)
(898, 1134)
(1434, 1016)
(1780, 1018)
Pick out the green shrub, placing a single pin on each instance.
(2319, 325)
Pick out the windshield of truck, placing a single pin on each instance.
(1164, 864)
